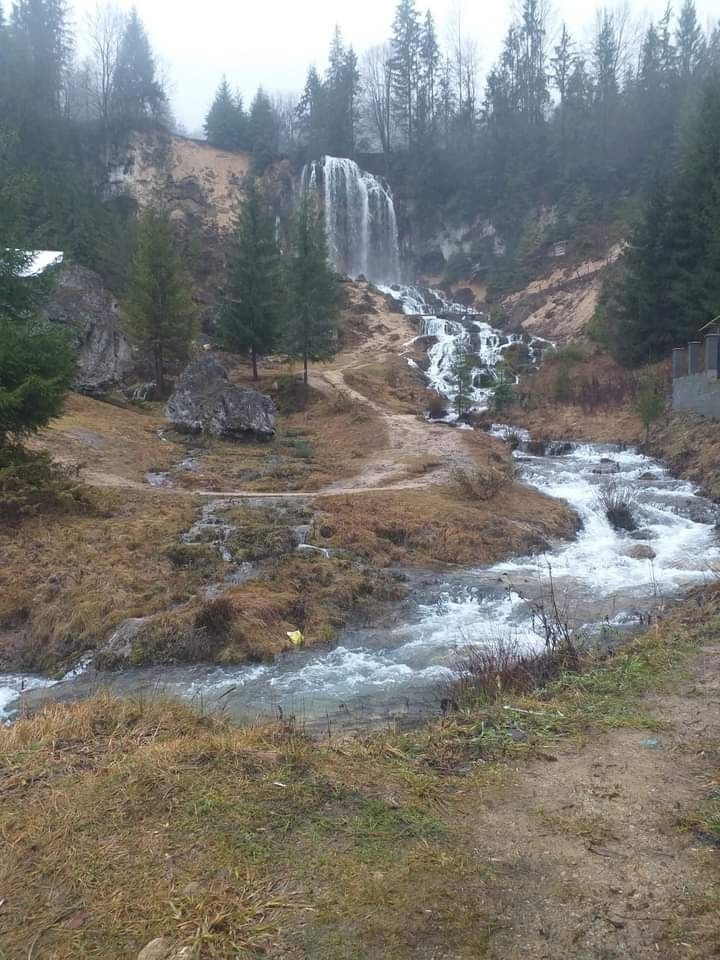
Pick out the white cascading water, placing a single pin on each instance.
(452, 325)
(359, 216)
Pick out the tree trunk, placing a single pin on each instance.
(305, 372)
(159, 379)
(253, 355)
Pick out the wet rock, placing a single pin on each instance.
(464, 296)
(117, 649)
(80, 302)
(607, 465)
(644, 533)
(205, 401)
(538, 448)
(158, 949)
(641, 552)
(560, 448)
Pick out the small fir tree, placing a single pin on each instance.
(312, 332)
(250, 318)
(158, 309)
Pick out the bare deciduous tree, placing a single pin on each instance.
(377, 93)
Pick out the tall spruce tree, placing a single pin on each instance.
(311, 114)
(262, 132)
(250, 319)
(639, 303)
(43, 45)
(158, 309)
(139, 94)
(313, 321)
(226, 124)
(694, 201)
(406, 38)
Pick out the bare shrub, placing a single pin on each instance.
(437, 407)
(215, 616)
(482, 483)
(618, 505)
(486, 673)
(341, 402)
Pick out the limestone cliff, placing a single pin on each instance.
(198, 182)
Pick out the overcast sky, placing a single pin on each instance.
(273, 41)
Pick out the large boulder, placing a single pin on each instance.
(204, 401)
(81, 303)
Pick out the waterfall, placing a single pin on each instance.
(451, 325)
(359, 218)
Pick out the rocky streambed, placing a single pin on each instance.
(606, 580)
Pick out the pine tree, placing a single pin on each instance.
(312, 116)
(158, 309)
(140, 96)
(262, 132)
(250, 318)
(689, 40)
(36, 359)
(44, 44)
(640, 304)
(226, 124)
(429, 65)
(312, 332)
(691, 220)
(405, 54)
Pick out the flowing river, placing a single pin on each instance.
(398, 668)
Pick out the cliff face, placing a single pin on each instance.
(198, 181)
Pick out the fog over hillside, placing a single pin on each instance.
(273, 43)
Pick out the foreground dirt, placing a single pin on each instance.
(577, 823)
(586, 850)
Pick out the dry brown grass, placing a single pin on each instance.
(250, 622)
(690, 444)
(390, 380)
(122, 441)
(435, 525)
(66, 581)
(125, 821)
(611, 418)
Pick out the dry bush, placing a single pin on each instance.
(437, 407)
(31, 484)
(618, 504)
(481, 483)
(489, 672)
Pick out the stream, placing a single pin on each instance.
(397, 669)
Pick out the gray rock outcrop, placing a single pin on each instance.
(81, 303)
(205, 401)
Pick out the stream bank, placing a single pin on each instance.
(607, 581)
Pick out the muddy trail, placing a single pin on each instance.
(587, 849)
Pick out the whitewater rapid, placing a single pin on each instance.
(449, 326)
(400, 668)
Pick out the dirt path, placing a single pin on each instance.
(585, 849)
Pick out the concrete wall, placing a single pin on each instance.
(698, 393)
